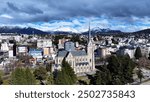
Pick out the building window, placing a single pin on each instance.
(70, 63)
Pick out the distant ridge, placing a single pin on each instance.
(18, 30)
(145, 31)
(94, 31)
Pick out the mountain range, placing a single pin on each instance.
(18, 30)
(96, 30)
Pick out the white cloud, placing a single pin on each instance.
(6, 16)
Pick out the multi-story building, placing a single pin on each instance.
(43, 43)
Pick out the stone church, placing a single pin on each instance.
(82, 61)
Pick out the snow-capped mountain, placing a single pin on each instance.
(99, 30)
(61, 30)
(19, 30)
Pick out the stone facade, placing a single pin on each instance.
(82, 61)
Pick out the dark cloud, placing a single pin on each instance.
(25, 9)
(46, 10)
(12, 6)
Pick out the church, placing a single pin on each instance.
(82, 61)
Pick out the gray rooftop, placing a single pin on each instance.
(78, 53)
(74, 53)
(62, 53)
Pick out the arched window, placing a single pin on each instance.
(70, 63)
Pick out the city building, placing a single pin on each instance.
(43, 43)
(22, 50)
(61, 43)
(36, 53)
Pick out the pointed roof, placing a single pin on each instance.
(89, 35)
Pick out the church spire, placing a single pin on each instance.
(89, 35)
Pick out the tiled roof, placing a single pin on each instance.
(78, 53)
(62, 53)
(74, 53)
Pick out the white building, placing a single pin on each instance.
(130, 52)
(10, 53)
(42, 43)
(127, 51)
(4, 47)
(61, 43)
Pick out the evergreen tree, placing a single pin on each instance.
(50, 80)
(40, 73)
(118, 71)
(138, 53)
(1, 80)
(98, 78)
(49, 67)
(29, 77)
(140, 75)
(127, 69)
(22, 76)
(62, 78)
(66, 76)
(18, 77)
(114, 66)
(82, 82)
(103, 76)
(69, 71)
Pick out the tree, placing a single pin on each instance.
(138, 53)
(99, 78)
(49, 67)
(127, 68)
(69, 71)
(103, 76)
(66, 76)
(115, 67)
(1, 80)
(82, 82)
(18, 77)
(50, 80)
(22, 76)
(140, 75)
(118, 71)
(40, 73)
(29, 77)
(62, 78)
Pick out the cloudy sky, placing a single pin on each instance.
(74, 15)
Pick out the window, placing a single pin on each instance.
(70, 63)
